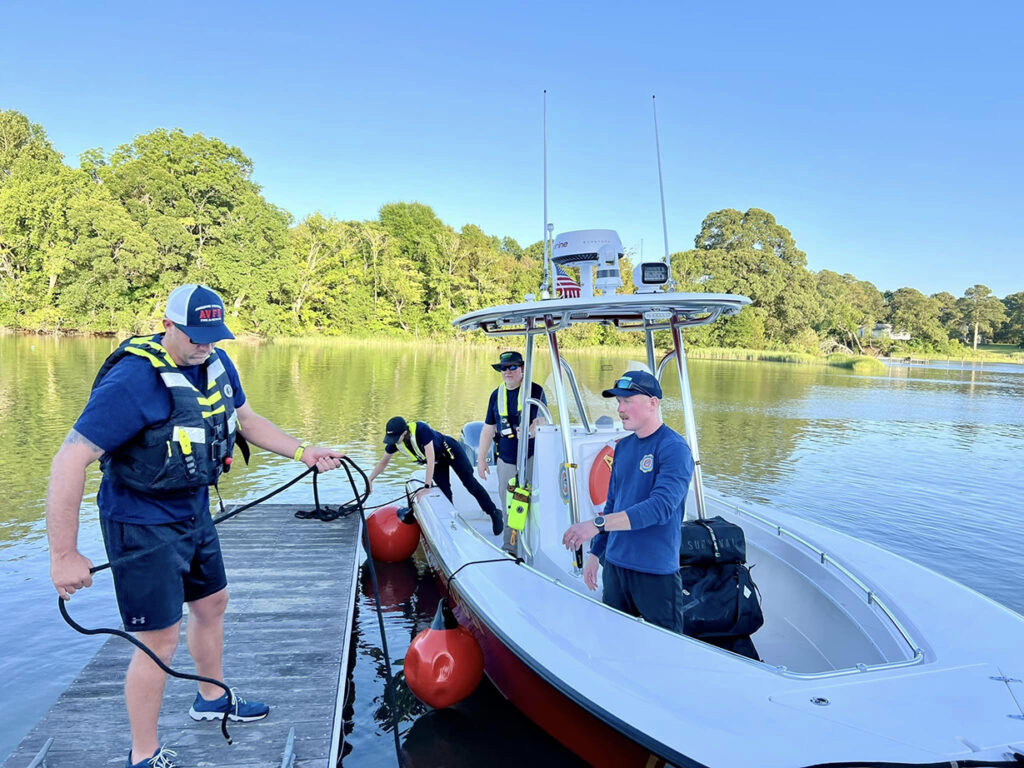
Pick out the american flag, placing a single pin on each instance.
(565, 286)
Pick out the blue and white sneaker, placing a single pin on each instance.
(162, 759)
(244, 711)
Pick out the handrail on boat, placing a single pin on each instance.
(541, 407)
(872, 598)
(571, 375)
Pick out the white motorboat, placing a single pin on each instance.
(867, 658)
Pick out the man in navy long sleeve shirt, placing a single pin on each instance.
(638, 537)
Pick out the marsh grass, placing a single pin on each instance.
(862, 364)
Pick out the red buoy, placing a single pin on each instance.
(393, 538)
(601, 475)
(444, 664)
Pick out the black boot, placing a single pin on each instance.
(497, 526)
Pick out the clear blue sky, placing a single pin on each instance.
(885, 136)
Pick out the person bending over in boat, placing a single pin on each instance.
(162, 419)
(502, 419)
(438, 453)
(637, 539)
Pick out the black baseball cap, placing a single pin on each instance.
(634, 383)
(506, 359)
(395, 429)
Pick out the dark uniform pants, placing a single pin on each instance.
(452, 456)
(657, 597)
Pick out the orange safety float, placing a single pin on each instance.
(394, 534)
(444, 663)
(601, 475)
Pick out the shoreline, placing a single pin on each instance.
(857, 363)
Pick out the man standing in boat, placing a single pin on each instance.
(503, 420)
(437, 453)
(637, 539)
(162, 419)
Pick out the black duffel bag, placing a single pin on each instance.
(713, 541)
(720, 601)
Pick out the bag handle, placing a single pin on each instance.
(711, 532)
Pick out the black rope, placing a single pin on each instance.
(389, 686)
(1016, 762)
(156, 660)
(517, 560)
(142, 646)
(216, 521)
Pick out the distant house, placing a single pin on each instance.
(882, 331)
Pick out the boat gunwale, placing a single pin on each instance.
(780, 670)
(872, 599)
(662, 750)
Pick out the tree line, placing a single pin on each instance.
(97, 249)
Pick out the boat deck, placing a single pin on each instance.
(287, 633)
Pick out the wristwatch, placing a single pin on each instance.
(599, 523)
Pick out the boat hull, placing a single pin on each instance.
(589, 737)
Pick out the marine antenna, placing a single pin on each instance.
(548, 278)
(671, 285)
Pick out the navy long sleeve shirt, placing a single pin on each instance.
(650, 478)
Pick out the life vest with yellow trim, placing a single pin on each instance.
(187, 450)
(505, 428)
(410, 446)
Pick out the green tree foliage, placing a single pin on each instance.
(949, 314)
(912, 311)
(97, 249)
(24, 147)
(981, 311)
(847, 305)
(751, 254)
(1012, 330)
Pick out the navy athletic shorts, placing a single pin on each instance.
(186, 566)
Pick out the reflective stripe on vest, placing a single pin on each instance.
(503, 401)
(410, 446)
(187, 450)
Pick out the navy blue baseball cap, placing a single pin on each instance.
(634, 383)
(395, 429)
(198, 312)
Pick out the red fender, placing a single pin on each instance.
(601, 475)
(391, 539)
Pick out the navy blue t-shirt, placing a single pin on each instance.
(131, 397)
(508, 447)
(424, 436)
(650, 478)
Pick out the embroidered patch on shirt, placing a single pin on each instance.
(647, 463)
(229, 391)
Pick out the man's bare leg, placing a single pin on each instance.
(205, 633)
(144, 689)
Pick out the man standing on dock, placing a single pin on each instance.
(503, 420)
(162, 419)
(638, 540)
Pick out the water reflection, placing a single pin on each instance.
(925, 461)
(482, 729)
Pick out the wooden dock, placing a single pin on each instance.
(287, 633)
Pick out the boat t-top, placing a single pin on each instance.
(864, 657)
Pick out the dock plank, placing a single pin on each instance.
(292, 584)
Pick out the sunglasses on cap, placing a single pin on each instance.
(510, 368)
(627, 383)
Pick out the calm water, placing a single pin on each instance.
(925, 461)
